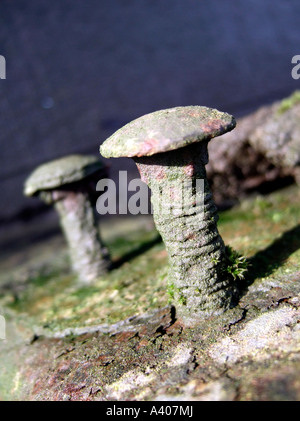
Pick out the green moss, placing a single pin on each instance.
(237, 265)
(289, 102)
(47, 296)
(214, 261)
(138, 283)
(171, 291)
(176, 294)
(182, 300)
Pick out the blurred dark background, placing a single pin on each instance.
(79, 70)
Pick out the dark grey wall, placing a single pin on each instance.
(78, 70)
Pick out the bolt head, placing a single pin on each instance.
(167, 130)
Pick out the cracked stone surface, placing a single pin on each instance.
(276, 331)
(123, 341)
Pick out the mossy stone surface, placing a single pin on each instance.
(67, 343)
(278, 137)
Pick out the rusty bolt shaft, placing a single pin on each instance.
(89, 257)
(196, 250)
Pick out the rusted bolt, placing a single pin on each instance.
(170, 150)
(69, 184)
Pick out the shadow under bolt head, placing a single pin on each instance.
(170, 150)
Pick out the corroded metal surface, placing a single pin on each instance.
(198, 282)
(61, 171)
(69, 184)
(89, 257)
(167, 130)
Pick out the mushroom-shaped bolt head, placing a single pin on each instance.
(170, 150)
(69, 184)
